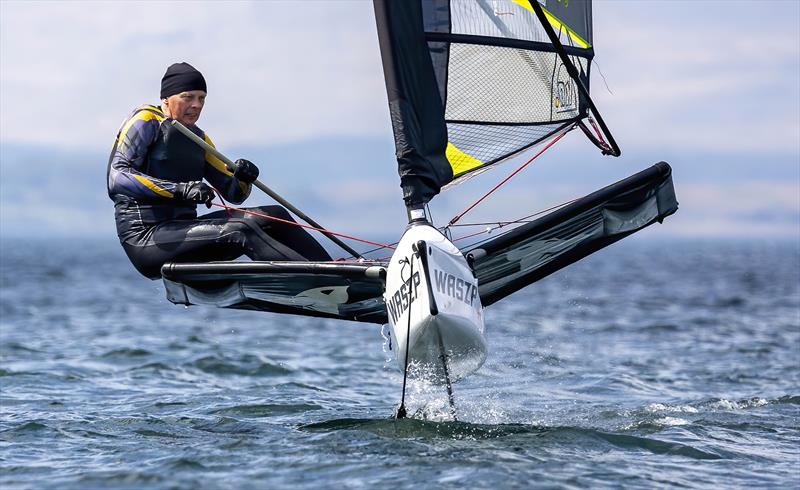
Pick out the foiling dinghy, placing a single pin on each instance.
(471, 84)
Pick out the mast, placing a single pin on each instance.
(415, 106)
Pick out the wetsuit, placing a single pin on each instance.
(148, 164)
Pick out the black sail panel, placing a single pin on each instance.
(415, 105)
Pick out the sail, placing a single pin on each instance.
(472, 83)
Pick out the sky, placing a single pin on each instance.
(712, 87)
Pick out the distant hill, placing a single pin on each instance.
(351, 185)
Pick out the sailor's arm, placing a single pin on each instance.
(128, 156)
(234, 189)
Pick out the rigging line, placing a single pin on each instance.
(489, 223)
(224, 204)
(428, 213)
(488, 230)
(605, 82)
(597, 130)
(524, 219)
(301, 225)
(392, 245)
(447, 232)
(597, 137)
(512, 174)
(260, 185)
(501, 224)
(443, 357)
(401, 410)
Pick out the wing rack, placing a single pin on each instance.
(347, 291)
(503, 265)
(535, 250)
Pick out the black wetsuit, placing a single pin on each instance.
(149, 159)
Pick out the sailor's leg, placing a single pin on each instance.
(154, 245)
(201, 240)
(290, 235)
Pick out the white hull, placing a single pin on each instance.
(441, 299)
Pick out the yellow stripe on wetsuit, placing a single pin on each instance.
(221, 166)
(153, 187)
(213, 160)
(147, 113)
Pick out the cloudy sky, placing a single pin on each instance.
(713, 87)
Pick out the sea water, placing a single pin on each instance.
(652, 363)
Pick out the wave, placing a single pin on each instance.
(246, 365)
(540, 435)
(126, 352)
(788, 399)
(266, 410)
(8, 372)
(17, 347)
(30, 427)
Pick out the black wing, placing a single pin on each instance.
(347, 291)
(537, 249)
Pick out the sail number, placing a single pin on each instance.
(399, 302)
(455, 287)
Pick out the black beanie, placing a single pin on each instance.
(181, 77)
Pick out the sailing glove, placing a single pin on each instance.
(196, 191)
(246, 171)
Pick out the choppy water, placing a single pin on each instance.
(649, 364)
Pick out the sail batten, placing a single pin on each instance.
(472, 83)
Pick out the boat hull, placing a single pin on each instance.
(434, 308)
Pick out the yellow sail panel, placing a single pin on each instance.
(460, 161)
(556, 23)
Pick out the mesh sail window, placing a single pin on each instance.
(490, 86)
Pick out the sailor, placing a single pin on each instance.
(157, 177)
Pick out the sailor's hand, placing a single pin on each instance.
(196, 191)
(246, 171)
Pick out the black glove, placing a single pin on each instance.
(196, 191)
(246, 171)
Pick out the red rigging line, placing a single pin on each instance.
(453, 221)
(597, 137)
(500, 224)
(294, 223)
(512, 174)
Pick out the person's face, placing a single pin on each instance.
(185, 107)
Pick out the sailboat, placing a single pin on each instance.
(471, 84)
